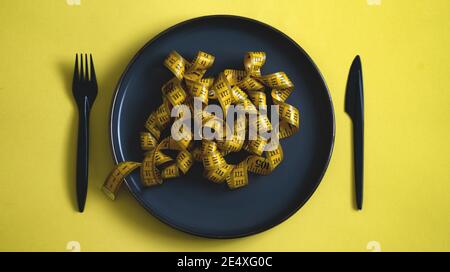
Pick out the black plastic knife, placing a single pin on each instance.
(354, 106)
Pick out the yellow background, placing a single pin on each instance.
(404, 46)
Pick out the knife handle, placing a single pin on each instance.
(358, 157)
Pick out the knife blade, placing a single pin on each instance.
(354, 106)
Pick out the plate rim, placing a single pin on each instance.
(265, 227)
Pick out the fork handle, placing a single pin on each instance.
(83, 153)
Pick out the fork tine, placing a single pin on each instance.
(93, 77)
(86, 64)
(81, 68)
(76, 74)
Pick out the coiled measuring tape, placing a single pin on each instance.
(231, 87)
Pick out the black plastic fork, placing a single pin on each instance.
(84, 88)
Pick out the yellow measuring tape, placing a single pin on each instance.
(246, 88)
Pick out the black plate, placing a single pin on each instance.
(192, 203)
